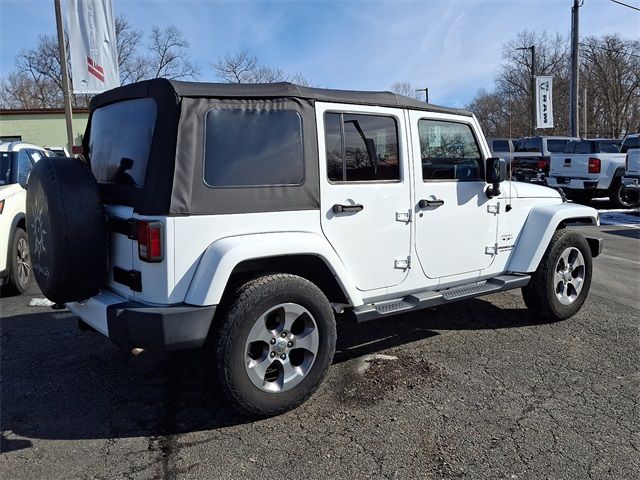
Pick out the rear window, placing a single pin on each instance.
(556, 146)
(120, 141)
(500, 146)
(584, 147)
(630, 142)
(246, 148)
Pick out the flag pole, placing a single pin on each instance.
(65, 75)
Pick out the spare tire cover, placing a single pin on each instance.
(66, 230)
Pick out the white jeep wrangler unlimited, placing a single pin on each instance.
(254, 215)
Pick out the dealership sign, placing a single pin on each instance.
(544, 102)
(92, 44)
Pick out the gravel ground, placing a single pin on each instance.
(482, 389)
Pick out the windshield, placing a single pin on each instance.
(120, 141)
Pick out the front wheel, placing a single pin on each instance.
(275, 344)
(560, 285)
(20, 270)
(622, 197)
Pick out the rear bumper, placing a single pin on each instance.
(134, 325)
(631, 183)
(572, 183)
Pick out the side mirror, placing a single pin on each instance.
(496, 169)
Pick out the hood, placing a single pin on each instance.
(7, 190)
(530, 190)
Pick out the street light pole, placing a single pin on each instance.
(574, 94)
(426, 93)
(532, 86)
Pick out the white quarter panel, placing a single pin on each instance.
(369, 241)
(14, 197)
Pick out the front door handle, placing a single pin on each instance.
(430, 203)
(337, 208)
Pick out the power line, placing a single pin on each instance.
(625, 5)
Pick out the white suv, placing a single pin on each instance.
(16, 161)
(253, 216)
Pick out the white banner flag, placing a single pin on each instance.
(544, 102)
(92, 44)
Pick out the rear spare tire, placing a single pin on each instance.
(66, 228)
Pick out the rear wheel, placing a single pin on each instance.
(560, 285)
(275, 344)
(622, 197)
(20, 273)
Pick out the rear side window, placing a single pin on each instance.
(120, 141)
(5, 168)
(449, 151)
(361, 148)
(246, 148)
(609, 147)
(500, 146)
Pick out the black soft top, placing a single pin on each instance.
(266, 91)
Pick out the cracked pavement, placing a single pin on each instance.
(480, 389)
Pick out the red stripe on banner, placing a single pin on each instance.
(95, 73)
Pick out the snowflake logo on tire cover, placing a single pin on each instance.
(38, 230)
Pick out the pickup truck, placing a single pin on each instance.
(532, 156)
(631, 179)
(589, 169)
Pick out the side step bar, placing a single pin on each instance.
(431, 298)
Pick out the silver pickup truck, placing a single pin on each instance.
(589, 169)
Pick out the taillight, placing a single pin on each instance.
(543, 164)
(1, 206)
(594, 165)
(150, 241)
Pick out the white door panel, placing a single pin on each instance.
(374, 242)
(456, 231)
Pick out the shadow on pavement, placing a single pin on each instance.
(58, 383)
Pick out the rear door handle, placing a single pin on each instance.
(430, 203)
(337, 208)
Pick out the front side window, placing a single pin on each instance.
(449, 151)
(246, 148)
(361, 148)
(120, 141)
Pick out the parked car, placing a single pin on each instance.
(590, 169)
(532, 157)
(631, 178)
(16, 161)
(254, 215)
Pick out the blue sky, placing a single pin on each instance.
(452, 46)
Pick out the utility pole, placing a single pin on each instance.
(584, 113)
(532, 87)
(574, 95)
(65, 74)
(426, 93)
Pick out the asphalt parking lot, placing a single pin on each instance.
(480, 390)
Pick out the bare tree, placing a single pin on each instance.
(242, 67)
(168, 56)
(610, 71)
(406, 89)
(132, 66)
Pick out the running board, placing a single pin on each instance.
(431, 298)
